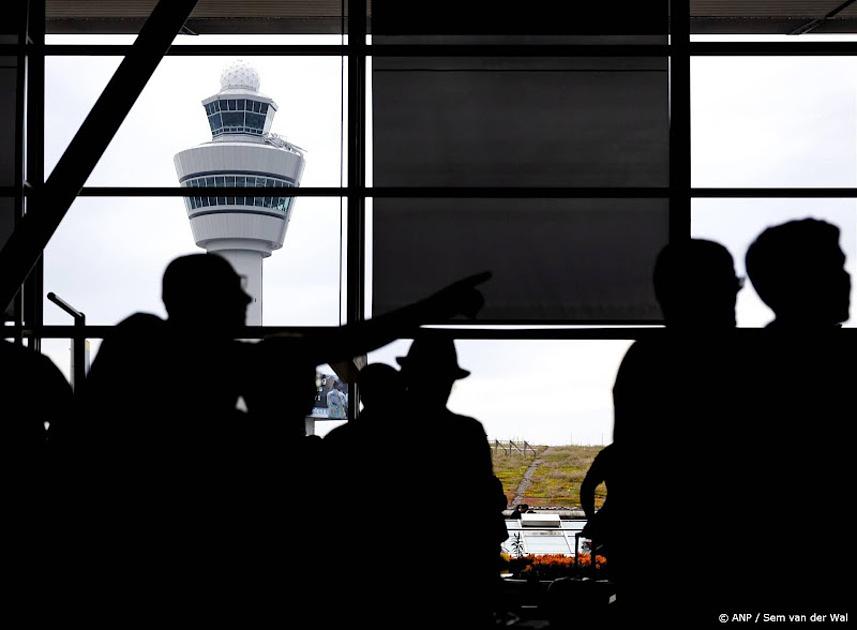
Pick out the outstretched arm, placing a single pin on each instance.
(351, 340)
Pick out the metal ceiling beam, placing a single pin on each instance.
(50, 205)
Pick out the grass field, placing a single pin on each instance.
(510, 469)
(555, 480)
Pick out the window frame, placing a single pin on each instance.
(32, 51)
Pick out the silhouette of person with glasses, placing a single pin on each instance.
(679, 384)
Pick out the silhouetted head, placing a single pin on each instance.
(380, 386)
(280, 391)
(696, 285)
(798, 269)
(203, 290)
(430, 369)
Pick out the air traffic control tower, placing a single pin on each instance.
(242, 153)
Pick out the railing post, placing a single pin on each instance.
(78, 346)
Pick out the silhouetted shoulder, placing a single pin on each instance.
(139, 326)
(140, 322)
(341, 434)
(467, 425)
(641, 364)
(35, 393)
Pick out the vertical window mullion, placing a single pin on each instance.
(356, 219)
(680, 104)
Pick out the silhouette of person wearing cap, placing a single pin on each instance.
(449, 460)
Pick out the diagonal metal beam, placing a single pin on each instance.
(814, 24)
(49, 206)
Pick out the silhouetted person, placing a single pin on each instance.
(33, 393)
(696, 286)
(797, 269)
(798, 450)
(158, 386)
(449, 461)
(175, 384)
(363, 478)
(361, 447)
(36, 401)
(521, 508)
(756, 422)
(35, 404)
(382, 392)
(672, 394)
(173, 462)
(599, 526)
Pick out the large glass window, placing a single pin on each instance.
(545, 400)
(139, 236)
(109, 254)
(737, 222)
(488, 122)
(147, 136)
(774, 121)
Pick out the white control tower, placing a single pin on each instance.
(242, 153)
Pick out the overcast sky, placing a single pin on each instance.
(756, 122)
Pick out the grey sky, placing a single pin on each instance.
(757, 122)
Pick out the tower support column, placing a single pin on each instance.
(248, 265)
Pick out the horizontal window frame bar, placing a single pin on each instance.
(463, 192)
(379, 192)
(697, 49)
(369, 50)
(620, 332)
(775, 193)
(604, 332)
(773, 49)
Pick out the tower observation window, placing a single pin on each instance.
(236, 116)
(281, 204)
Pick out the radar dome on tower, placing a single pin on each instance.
(239, 75)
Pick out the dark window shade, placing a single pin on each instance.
(8, 119)
(534, 122)
(557, 260)
(513, 17)
(520, 122)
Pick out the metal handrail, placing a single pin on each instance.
(78, 343)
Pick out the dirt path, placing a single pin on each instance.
(527, 481)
